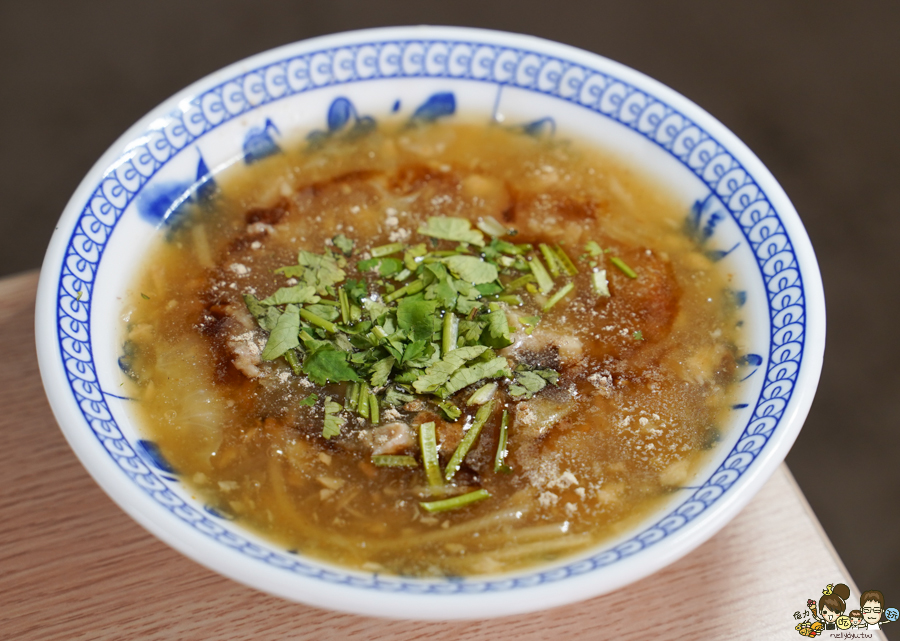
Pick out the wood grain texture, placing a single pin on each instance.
(73, 566)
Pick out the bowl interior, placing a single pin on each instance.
(259, 106)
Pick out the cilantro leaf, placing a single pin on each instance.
(333, 419)
(267, 317)
(316, 270)
(494, 368)
(471, 269)
(530, 382)
(449, 228)
(375, 309)
(496, 334)
(394, 397)
(470, 330)
(451, 411)
(284, 336)
(310, 400)
(381, 370)
(328, 365)
(343, 243)
(417, 317)
(253, 306)
(355, 289)
(440, 372)
(324, 311)
(298, 294)
(487, 289)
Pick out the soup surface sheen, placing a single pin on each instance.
(296, 340)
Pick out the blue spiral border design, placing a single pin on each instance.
(503, 66)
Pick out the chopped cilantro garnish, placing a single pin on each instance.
(500, 458)
(440, 372)
(638, 335)
(333, 419)
(394, 460)
(317, 270)
(448, 228)
(530, 382)
(491, 226)
(551, 258)
(495, 368)
(618, 262)
(284, 335)
(483, 394)
(471, 269)
(386, 250)
(599, 283)
(456, 502)
(593, 249)
(428, 447)
(565, 261)
(544, 282)
(328, 365)
(343, 243)
(451, 411)
(417, 318)
(425, 338)
(481, 417)
(496, 334)
(381, 371)
(144, 296)
(559, 295)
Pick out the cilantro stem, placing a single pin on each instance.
(451, 411)
(545, 283)
(483, 394)
(411, 288)
(362, 406)
(558, 296)
(500, 459)
(491, 226)
(550, 257)
(428, 445)
(599, 283)
(481, 417)
(330, 303)
(393, 460)
(521, 281)
(450, 334)
(291, 357)
(565, 261)
(618, 262)
(510, 299)
(351, 401)
(386, 250)
(374, 414)
(456, 502)
(345, 305)
(318, 321)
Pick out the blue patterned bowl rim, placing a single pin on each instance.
(769, 223)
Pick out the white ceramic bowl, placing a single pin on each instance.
(328, 83)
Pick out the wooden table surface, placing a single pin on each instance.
(63, 542)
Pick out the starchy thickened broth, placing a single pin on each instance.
(437, 350)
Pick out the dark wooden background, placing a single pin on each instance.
(812, 86)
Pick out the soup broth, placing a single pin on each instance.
(439, 289)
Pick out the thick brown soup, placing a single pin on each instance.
(335, 349)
